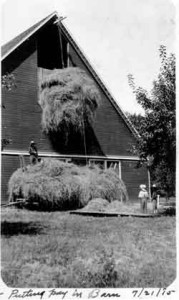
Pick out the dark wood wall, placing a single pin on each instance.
(111, 132)
(10, 163)
(21, 117)
(133, 177)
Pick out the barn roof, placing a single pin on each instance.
(17, 41)
(10, 46)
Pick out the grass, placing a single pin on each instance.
(41, 249)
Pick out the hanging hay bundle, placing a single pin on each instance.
(57, 185)
(69, 99)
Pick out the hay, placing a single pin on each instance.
(119, 207)
(102, 205)
(96, 205)
(68, 98)
(58, 185)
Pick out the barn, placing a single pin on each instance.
(46, 46)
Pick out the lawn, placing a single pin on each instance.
(41, 249)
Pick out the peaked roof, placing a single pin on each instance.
(99, 81)
(7, 48)
(17, 41)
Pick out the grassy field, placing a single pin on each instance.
(41, 249)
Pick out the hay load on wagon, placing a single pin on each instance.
(56, 185)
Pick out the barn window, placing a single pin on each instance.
(106, 164)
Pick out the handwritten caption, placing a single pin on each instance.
(92, 294)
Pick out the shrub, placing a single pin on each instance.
(58, 185)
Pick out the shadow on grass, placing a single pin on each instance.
(9, 229)
(168, 211)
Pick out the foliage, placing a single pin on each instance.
(58, 250)
(137, 120)
(57, 185)
(164, 177)
(69, 99)
(8, 81)
(158, 127)
(5, 142)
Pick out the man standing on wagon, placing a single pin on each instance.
(33, 153)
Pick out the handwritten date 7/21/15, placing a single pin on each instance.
(148, 292)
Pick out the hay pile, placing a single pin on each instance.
(57, 185)
(119, 207)
(102, 205)
(68, 98)
(96, 205)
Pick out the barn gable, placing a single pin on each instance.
(9, 47)
(31, 55)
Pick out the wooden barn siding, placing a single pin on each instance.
(21, 117)
(9, 164)
(111, 131)
(133, 177)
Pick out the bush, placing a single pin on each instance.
(57, 185)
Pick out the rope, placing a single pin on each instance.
(61, 45)
(84, 135)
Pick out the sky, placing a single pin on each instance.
(118, 37)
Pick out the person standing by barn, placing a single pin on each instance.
(154, 198)
(143, 197)
(33, 153)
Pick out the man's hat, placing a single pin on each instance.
(32, 142)
(142, 186)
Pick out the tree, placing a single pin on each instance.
(136, 120)
(158, 127)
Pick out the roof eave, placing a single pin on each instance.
(28, 35)
(100, 82)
